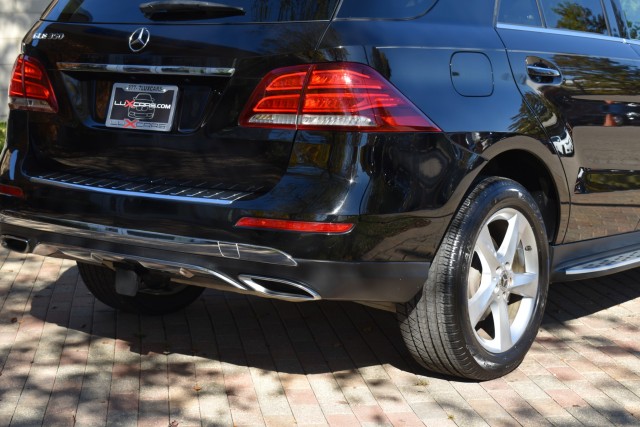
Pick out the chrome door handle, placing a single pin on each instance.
(535, 70)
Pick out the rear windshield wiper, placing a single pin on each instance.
(179, 10)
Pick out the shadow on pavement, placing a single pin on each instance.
(296, 338)
(227, 342)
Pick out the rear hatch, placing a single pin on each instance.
(150, 92)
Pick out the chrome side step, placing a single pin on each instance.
(607, 265)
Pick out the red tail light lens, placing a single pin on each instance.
(345, 96)
(298, 226)
(30, 88)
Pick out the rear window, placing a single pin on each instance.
(384, 9)
(578, 15)
(631, 9)
(128, 11)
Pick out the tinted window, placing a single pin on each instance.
(617, 25)
(128, 11)
(631, 9)
(581, 15)
(520, 12)
(384, 9)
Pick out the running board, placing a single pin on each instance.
(607, 265)
(594, 258)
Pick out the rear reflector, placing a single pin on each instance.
(298, 226)
(30, 88)
(10, 190)
(343, 96)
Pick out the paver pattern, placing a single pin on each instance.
(67, 359)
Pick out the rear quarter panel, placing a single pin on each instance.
(417, 56)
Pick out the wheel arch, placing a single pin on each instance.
(532, 172)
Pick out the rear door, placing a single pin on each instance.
(630, 14)
(576, 71)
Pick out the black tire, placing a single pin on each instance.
(160, 297)
(437, 324)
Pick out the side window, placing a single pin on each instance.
(631, 9)
(578, 15)
(519, 12)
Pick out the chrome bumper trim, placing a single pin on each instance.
(99, 257)
(192, 245)
(169, 70)
(222, 198)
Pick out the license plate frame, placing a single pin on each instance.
(142, 106)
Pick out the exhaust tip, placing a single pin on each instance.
(16, 244)
(279, 288)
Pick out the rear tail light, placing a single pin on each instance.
(297, 226)
(345, 96)
(30, 88)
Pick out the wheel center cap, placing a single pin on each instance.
(505, 279)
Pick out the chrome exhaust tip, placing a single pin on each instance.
(279, 288)
(16, 244)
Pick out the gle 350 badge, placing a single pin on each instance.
(142, 107)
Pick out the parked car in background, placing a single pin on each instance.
(442, 160)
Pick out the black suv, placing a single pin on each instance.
(442, 159)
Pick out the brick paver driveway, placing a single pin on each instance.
(66, 359)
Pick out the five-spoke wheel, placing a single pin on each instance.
(484, 297)
(503, 280)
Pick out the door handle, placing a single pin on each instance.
(538, 71)
(543, 72)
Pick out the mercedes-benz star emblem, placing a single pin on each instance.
(139, 39)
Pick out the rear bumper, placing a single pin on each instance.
(232, 266)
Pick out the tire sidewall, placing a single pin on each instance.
(496, 195)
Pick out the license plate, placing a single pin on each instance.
(142, 107)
